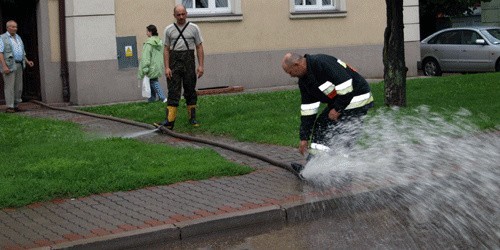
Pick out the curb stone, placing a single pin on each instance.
(276, 215)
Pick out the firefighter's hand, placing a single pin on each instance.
(303, 147)
(200, 71)
(30, 63)
(168, 72)
(6, 70)
(333, 115)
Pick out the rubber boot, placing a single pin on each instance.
(192, 115)
(170, 114)
(297, 168)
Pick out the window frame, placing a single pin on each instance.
(446, 38)
(316, 7)
(466, 37)
(213, 14)
(338, 9)
(212, 9)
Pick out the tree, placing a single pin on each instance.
(394, 56)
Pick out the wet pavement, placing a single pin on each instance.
(268, 196)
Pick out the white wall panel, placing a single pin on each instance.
(411, 20)
(410, 2)
(410, 14)
(91, 30)
(91, 38)
(412, 32)
(90, 7)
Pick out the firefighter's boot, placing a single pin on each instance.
(170, 114)
(192, 115)
(297, 168)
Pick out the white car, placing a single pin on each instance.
(464, 49)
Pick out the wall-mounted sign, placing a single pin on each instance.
(128, 51)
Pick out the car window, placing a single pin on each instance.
(448, 37)
(493, 35)
(470, 37)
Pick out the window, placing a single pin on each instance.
(449, 37)
(314, 5)
(493, 35)
(317, 8)
(212, 10)
(470, 37)
(207, 6)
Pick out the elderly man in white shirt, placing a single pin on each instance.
(12, 62)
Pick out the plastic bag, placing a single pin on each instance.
(146, 89)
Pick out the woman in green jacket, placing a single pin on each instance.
(151, 64)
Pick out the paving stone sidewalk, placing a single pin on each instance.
(157, 214)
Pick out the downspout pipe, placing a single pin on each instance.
(64, 53)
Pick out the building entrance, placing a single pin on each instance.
(24, 13)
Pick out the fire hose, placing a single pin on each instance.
(177, 135)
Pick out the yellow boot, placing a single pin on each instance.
(170, 114)
(192, 115)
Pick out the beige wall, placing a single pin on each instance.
(246, 51)
(266, 25)
(48, 51)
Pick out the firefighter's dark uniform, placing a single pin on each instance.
(331, 81)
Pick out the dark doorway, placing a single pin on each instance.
(24, 13)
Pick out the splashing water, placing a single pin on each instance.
(445, 175)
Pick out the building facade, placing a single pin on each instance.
(244, 41)
(490, 13)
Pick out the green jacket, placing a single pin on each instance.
(151, 63)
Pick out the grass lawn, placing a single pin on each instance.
(47, 159)
(274, 117)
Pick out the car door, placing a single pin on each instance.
(446, 47)
(473, 57)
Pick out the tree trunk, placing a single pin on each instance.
(394, 56)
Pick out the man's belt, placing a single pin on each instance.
(19, 61)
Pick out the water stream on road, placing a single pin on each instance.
(140, 133)
(445, 175)
(435, 185)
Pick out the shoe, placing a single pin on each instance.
(297, 168)
(10, 110)
(165, 100)
(194, 123)
(191, 109)
(165, 123)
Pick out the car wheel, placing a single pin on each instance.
(432, 68)
(497, 66)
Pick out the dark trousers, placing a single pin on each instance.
(182, 64)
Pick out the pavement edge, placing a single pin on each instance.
(291, 212)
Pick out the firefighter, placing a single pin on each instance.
(182, 39)
(326, 79)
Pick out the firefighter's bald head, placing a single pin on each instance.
(294, 64)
